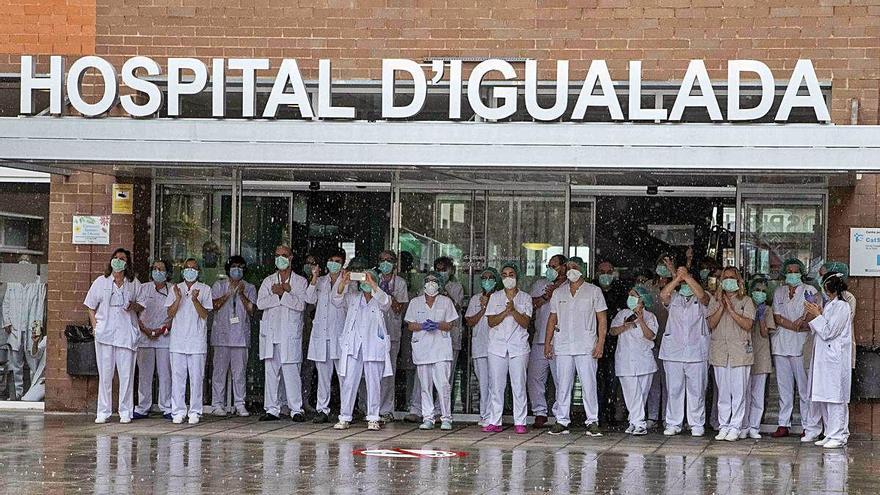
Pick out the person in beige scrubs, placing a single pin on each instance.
(731, 316)
(763, 364)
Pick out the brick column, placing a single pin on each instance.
(72, 268)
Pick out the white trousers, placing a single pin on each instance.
(585, 366)
(183, 366)
(732, 385)
(17, 358)
(657, 395)
(121, 360)
(388, 382)
(276, 374)
(150, 359)
(755, 402)
(790, 372)
(435, 376)
(539, 368)
(325, 380)
(835, 419)
(372, 374)
(229, 359)
(635, 395)
(686, 385)
(499, 369)
(481, 369)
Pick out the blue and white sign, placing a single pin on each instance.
(864, 252)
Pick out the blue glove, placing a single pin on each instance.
(761, 310)
(429, 326)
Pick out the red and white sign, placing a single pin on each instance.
(410, 453)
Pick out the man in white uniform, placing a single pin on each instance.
(394, 286)
(578, 310)
(23, 309)
(153, 354)
(233, 300)
(326, 328)
(787, 343)
(431, 317)
(451, 288)
(283, 297)
(541, 292)
(37, 352)
(188, 306)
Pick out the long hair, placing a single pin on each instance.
(129, 270)
(834, 282)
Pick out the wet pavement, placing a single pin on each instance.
(70, 454)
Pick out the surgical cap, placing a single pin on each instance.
(795, 261)
(644, 295)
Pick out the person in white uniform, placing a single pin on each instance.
(476, 320)
(684, 351)
(112, 305)
(431, 318)
(539, 366)
(831, 377)
(153, 356)
(763, 365)
(576, 339)
(188, 305)
(634, 364)
(452, 288)
(282, 297)
(233, 300)
(37, 351)
(23, 308)
(509, 313)
(395, 287)
(787, 344)
(326, 328)
(731, 354)
(843, 269)
(364, 346)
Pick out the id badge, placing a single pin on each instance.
(234, 320)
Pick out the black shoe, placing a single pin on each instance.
(269, 417)
(558, 429)
(321, 418)
(298, 418)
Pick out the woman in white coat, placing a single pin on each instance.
(831, 374)
(113, 308)
(634, 364)
(153, 353)
(509, 313)
(475, 317)
(364, 346)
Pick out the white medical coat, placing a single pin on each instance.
(364, 333)
(431, 347)
(189, 331)
(832, 352)
(282, 320)
(328, 321)
(113, 324)
(634, 355)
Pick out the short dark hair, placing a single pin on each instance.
(560, 258)
(165, 263)
(236, 259)
(129, 270)
(444, 260)
(337, 251)
(198, 266)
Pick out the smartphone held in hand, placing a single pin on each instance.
(358, 276)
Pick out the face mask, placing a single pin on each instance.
(573, 275)
(775, 275)
(117, 265)
(759, 297)
(385, 267)
(685, 290)
(442, 277)
(663, 271)
(432, 288)
(334, 266)
(488, 285)
(551, 274)
(281, 262)
(190, 274)
(793, 279)
(159, 276)
(632, 302)
(730, 284)
(365, 287)
(509, 282)
(605, 279)
(236, 273)
(307, 269)
(704, 274)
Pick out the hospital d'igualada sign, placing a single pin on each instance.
(190, 76)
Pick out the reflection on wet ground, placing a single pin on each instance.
(70, 454)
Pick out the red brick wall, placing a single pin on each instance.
(72, 268)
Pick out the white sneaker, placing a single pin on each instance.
(809, 438)
(241, 411)
(639, 431)
(754, 435)
(833, 444)
(630, 429)
(821, 443)
(177, 420)
(125, 419)
(698, 431)
(373, 426)
(194, 419)
(743, 434)
(101, 420)
(732, 436)
(219, 411)
(342, 425)
(722, 434)
(671, 431)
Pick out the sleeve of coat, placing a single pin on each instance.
(265, 298)
(296, 298)
(831, 324)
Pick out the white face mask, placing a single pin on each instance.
(509, 282)
(432, 288)
(573, 275)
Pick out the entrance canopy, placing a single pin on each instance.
(70, 142)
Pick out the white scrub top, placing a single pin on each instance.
(431, 347)
(455, 291)
(328, 320)
(232, 324)
(397, 290)
(155, 314)
(634, 355)
(785, 342)
(189, 331)
(686, 338)
(480, 332)
(576, 315)
(113, 324)
(509, 338)
(364, 335)
(543, 313)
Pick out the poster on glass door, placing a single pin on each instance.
(864, 252)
